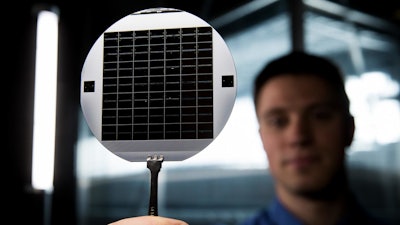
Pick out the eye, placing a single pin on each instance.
(276, 121)
(322, 114)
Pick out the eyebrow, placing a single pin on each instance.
(325, 104)
(273, 111)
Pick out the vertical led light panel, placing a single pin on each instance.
(45, 101)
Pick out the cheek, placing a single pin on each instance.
(270, 144)
(331, 146)
(331, 138)
(271, 141)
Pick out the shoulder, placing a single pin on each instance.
(275, 213)
(358, 214)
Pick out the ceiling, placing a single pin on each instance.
(209, 9)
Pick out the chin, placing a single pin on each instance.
(314, 190)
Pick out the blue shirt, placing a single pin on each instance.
(277, 214)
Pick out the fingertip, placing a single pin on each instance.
(149, 220)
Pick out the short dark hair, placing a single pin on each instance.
(297, 62)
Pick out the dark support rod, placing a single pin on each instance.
(154, 165)
(296, 11)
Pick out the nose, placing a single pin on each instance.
(299, 132)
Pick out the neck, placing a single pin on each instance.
(325, 206)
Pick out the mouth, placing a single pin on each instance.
(301, 162)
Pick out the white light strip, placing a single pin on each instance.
(45, 101)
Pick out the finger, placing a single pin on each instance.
(149, 220)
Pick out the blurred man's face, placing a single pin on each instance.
(304, 132)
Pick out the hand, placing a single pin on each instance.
(149, 220)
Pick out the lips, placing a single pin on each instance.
(301, 161)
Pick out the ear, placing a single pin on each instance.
(349, 130)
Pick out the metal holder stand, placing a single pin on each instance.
(154, 165)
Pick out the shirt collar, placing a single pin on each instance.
(280, 215)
